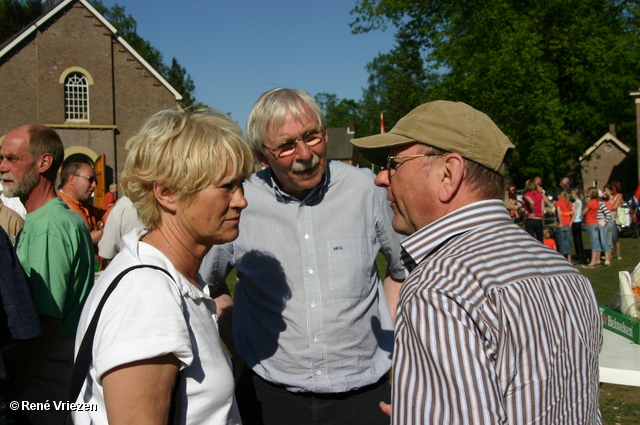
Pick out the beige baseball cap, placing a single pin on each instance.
(450, 126)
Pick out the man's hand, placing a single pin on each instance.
(96, 235)
(386, 408)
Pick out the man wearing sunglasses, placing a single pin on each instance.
(78, 183)
(311, 317)
(56, 252)
(492, 326)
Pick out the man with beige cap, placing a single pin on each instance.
(492, 327)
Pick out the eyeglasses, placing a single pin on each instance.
(393, 166)
(12, 158)
(288, 148)
(91, 179)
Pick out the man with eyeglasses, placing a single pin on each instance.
(492, 326)
(78, 183)
(56, 252)
(311, 317)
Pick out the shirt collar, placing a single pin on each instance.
(68, 199)
(428, 239)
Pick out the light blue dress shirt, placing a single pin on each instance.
(309, 310)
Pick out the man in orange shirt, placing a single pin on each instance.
(78, 183)
(110, 197)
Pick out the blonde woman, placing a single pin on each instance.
(184, 175)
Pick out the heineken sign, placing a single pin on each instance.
(620, 324)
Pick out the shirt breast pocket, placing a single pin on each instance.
(350, 267)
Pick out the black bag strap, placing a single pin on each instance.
(85, 356)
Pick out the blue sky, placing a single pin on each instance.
(237, 50)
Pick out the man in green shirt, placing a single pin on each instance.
(56, 252)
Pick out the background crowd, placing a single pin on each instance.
(561, 217)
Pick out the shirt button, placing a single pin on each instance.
(306, 236)
(318, 372)
(310, 271)
(313, 304)
(316, 340)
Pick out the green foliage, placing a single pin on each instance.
(175, 74)
(17, 14)
(552, 74)
(398, 83)
(398, 80)
(337, 111)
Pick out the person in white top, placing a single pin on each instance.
(123, 218)
(184, 176)
(13, 203)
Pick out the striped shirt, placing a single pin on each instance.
(493, 327)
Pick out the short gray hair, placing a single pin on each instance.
(271, 108)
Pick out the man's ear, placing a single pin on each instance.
(453, 171)
(165, 197)
(44, 163)
(262, 158)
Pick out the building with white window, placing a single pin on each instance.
(71, 70)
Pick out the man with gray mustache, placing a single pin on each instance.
(312, 318)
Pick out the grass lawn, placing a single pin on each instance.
(620, 405)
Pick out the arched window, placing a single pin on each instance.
(76, 97)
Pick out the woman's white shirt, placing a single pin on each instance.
(149, 315)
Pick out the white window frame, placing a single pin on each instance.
(76, 97)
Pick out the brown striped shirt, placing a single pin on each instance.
(493, 328)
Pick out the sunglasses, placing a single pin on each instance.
(91, 179)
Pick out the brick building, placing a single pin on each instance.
(339, 147)
(605, 161)
(71, 70)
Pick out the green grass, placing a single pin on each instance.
(619, 404)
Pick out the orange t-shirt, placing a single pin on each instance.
(565, 211)
(591, 217)
(551, 243)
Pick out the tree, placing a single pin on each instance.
(337, 111)
(15, 15)
(398, 80)
(175, 74)
(397, 83)
(551, 74)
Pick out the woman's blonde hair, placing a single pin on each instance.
(593, 193)
(530, 186)
(564, 195)
(578, 192)
(185, 152)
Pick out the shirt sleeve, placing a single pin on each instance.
(389, 238)
(22, 320)
(217, 265)
(108, 246)
(444, 364)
